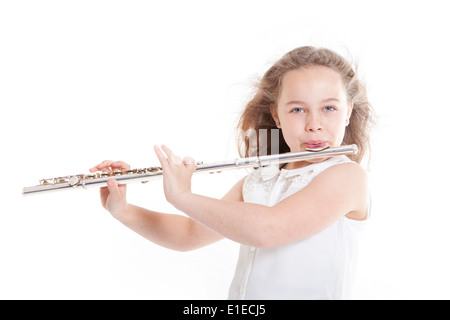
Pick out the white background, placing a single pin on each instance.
(83, 81)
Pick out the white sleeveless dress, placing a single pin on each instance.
(321, 266)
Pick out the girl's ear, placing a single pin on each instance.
(274, 113)
(349, 111)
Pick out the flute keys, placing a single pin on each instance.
(90, 176)
(46, 181)
(154, 169)
(73, 180)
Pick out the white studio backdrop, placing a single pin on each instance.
(85, 81)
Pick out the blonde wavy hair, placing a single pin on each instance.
(257, 115)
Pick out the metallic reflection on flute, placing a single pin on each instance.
(152, 173)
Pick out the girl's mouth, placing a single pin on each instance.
(316, 144)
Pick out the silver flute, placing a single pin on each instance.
(147, 174)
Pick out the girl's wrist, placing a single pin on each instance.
(122, 214)
(182, 200)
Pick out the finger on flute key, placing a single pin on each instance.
(101, 166)
(120, 165)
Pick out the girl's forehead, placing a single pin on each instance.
(312, 81)
(312, 74)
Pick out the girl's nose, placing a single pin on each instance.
(313, 124)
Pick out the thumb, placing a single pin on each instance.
(113, 187)
(190, 164)
(188, 161)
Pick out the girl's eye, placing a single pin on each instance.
(297, 110)
(329, 108)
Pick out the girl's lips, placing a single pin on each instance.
(316, 144)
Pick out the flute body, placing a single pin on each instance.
(153, 173)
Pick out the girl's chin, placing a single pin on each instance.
(301, 164)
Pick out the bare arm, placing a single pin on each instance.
(174, 231)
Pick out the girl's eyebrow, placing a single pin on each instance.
(296, 102)
(304, 103)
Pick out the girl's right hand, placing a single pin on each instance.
(113, 196)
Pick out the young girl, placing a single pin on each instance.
(298, 223)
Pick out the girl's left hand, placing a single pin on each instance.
(177, 173)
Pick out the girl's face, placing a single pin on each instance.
(312, 108)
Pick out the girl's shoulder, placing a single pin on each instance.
(349, 169)
(340, 167)
(343, 173)
(349, 181)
